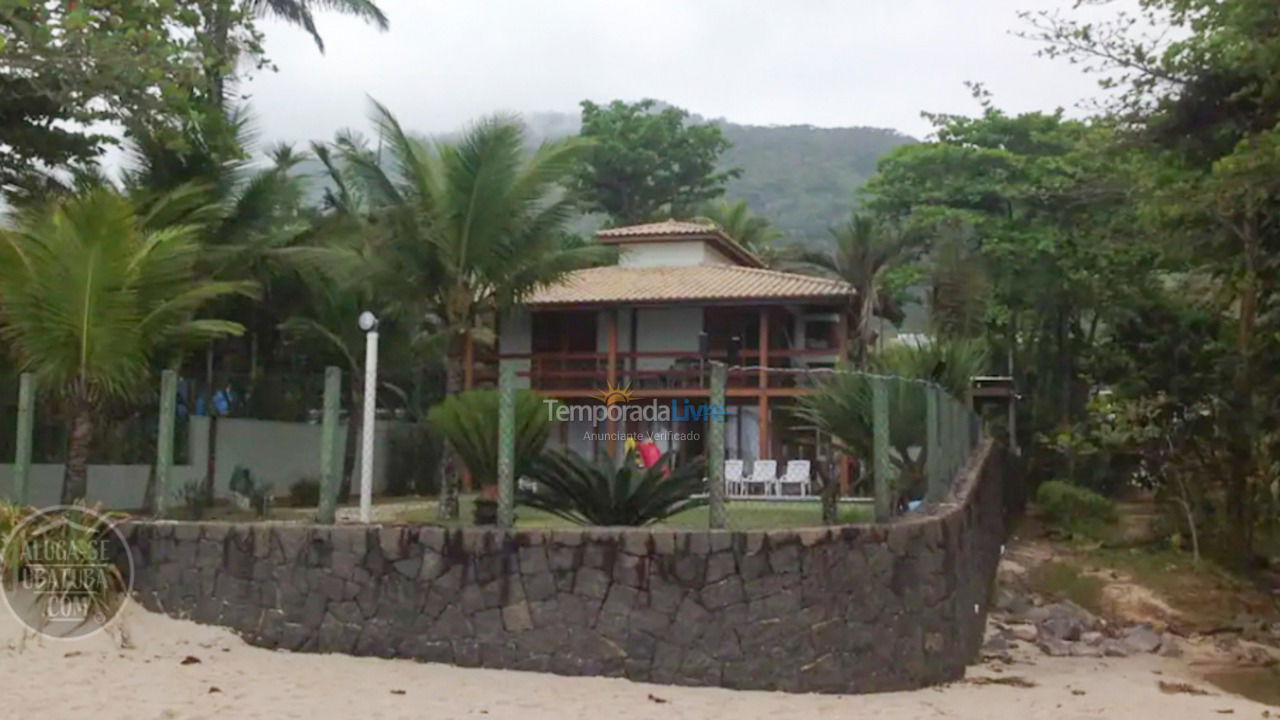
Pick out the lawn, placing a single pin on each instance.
(742, 515)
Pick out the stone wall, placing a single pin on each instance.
(858, 608)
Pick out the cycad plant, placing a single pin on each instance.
(469, 423)
(91, 300)
(609, 492)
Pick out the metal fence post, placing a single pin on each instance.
(937, 479)
(166, 493)
(506, 446)
(715, 445)
(26, 429)
(880, 447)
(330, 461)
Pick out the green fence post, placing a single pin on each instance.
(937, 479)
(26, 429)
(166, 493)
(507, 446)
(880, 447)
(715, 445)
(330, 457)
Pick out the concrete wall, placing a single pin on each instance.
(859, 608)
(277, 452)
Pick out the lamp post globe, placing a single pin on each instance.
(368, 321)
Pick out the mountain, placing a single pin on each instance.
(801, 177)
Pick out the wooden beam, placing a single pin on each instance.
(766, 451)
(611, 375)
(842, 337)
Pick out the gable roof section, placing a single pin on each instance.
(662, 285)
(675, 230)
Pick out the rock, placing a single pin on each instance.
(1093, 637)
(1141, 639)
(1254, 655)
(1065, 621)
(1080, 649)
(996, 644)
(1012, 601)
(1169, 646)
(1023, 632)
(1114, 648)
(1054, 647)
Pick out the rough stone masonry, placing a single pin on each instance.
(858, 608)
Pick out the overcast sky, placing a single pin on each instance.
(819, 62)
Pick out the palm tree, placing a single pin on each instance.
(754, 232)
(224, 14)
(466, 230)
(90, 300)
(866, 250)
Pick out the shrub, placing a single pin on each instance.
(1074, 508)
(305, 493)
(413, 459)
(469, 422)
(607, 493)
(194, 500)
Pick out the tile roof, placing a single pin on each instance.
(618, 284)
(666, 227)
(669, 230)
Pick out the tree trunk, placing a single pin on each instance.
(75, 481)
(448, 504)
(355, 424)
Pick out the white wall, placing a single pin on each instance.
(663, 254)
(673, 329)
(277, 452)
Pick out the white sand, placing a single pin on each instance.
(95, 678)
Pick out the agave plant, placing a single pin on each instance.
(469, 423)
(572, 487)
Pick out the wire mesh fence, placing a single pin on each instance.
(832, 446)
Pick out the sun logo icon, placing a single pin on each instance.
(615, 394)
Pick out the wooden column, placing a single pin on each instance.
(468, 362)
(766, 450)
(842, 358)
(842, 337)
(330, 447)
(611, 374)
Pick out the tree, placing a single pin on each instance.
(1204, 99)
(753, 232)
(67, 68)
(866, 250)
(90, 300)
(226, 40)
(464, 231)
(645, 161)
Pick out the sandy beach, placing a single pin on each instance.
(177, 669)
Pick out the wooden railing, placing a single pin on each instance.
(665, 371)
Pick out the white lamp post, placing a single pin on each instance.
(369, 324)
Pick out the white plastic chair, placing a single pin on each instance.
(797, 474)
(733, 486)
(764, 473)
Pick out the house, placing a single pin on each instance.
(643, 330)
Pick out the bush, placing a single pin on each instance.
(604, 493)
(470, 424)
(305, 493)
(413, 460)
(1071, 507)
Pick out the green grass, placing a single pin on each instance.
(1064, 581)
(751, 515)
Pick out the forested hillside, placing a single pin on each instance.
(801, 177)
